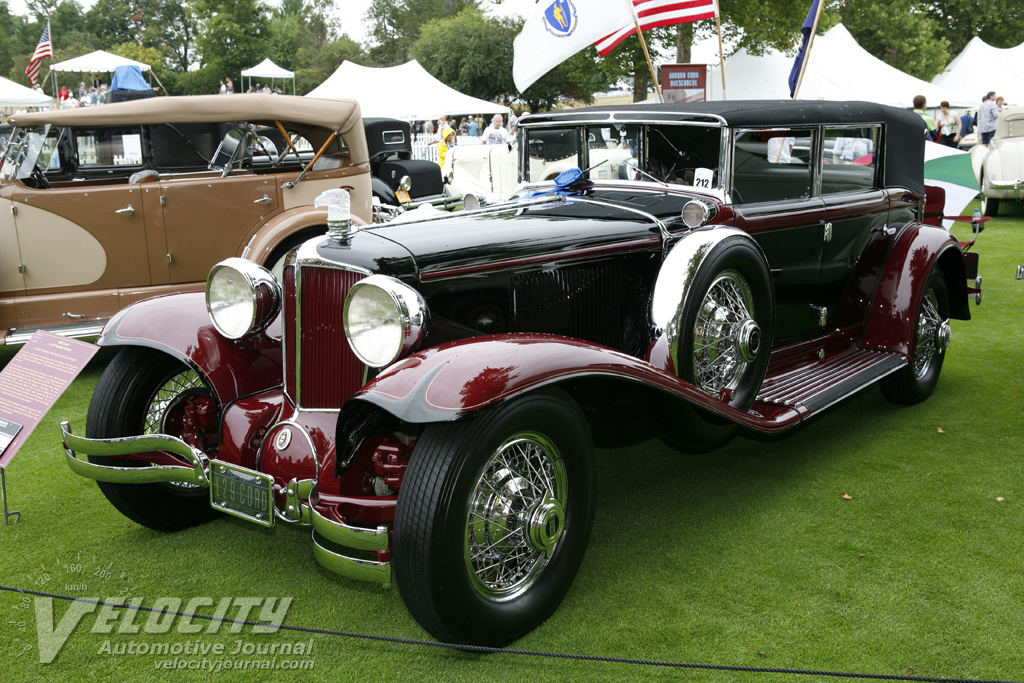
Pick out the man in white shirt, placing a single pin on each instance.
(495, 134)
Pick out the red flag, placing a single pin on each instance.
(43, 49)
(654, 13)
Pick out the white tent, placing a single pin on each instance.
(16, 95)
(980, 68)
(267, 69)
(97, 62)
(838, 69)
(404, 92)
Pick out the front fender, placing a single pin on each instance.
(892, 321)
(179, 325)
(282, 226)
(457, 379)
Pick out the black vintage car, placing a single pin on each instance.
(427, 396)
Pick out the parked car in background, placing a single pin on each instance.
(427, 395)
(398, 179)
(1000, 166)
(5, 135)
(103, 206)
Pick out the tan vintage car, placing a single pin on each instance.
(104, 206)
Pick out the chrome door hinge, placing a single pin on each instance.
(163, 200)
(828, 233)
(14, 210)
(21, 268)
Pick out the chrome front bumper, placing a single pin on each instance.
(1007, 186)
(301, 497)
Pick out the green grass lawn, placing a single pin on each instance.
(746, 556)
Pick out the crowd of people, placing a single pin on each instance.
(227, 87)
(445, 131)
(949, 129)
(72, 98)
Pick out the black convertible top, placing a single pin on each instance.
(904, 130)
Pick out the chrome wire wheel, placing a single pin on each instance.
(725, 337)
(516, 516)
(170, 395)
(932, 335)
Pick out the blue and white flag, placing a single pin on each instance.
(802, 55)
(558, 29)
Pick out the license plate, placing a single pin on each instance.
(403, 197)
(242, 493)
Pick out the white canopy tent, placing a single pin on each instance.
(16, 95)
(99, 61)
(838, 69)
(404, 92)
(267, 69)
(980, 68)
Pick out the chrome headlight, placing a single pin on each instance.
(384, 320)
(241, 297)
(695, 214)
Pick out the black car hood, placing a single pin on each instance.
(532, 228)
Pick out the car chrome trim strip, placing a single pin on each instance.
(73, 331)
(131, 445)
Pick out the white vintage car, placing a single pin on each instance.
(1000, 166)
(492, 171)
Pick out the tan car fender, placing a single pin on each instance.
(304, 221)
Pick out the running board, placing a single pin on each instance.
(813, 388)
(21, 335)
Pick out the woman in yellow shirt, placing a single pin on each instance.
(447, 137)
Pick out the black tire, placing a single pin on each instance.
(916, 381)
(129, 389)
(734, 283)
(453, 470)
(989, 206)
(275, 262)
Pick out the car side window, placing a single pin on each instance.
(551, 151)
(849, 159)
(108, 147)
(770, 165)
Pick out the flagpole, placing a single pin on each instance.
(807, 52)
(721, 52)
(647, 55)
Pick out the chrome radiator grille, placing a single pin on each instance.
(322, 371)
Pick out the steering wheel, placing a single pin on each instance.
(40, 178)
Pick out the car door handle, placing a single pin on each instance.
(889, 232)
(128, 211)
(264, 200)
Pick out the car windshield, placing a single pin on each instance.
(29, 149)
(666, 153)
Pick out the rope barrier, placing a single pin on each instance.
(478, 649)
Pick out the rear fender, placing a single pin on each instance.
(179, 325)
(892, 320)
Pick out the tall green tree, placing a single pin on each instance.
(233, 36)
(395, 25)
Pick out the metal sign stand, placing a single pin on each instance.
(3, 488)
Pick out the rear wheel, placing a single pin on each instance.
(989, 206)
(493, 518)
(916, 381)
(144, 391)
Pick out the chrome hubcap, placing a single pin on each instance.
(933, 334)
(516, 516)
(166, 405)
(726, 339)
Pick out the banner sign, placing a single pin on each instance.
(32, 382)
(684, 82)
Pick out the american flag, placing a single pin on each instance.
(43, 49)
(654, 13)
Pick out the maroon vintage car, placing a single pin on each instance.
(427, 395)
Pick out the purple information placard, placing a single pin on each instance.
(33, 381)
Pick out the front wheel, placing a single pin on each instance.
(916, 381)
(493, 518)
(143, 391)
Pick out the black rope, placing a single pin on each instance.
(479, 649)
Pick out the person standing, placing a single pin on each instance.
(495, 134)
(229, 85)
(919, 104)
(447, 140)
(949, 126)
(474, 129)
(988, 115)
